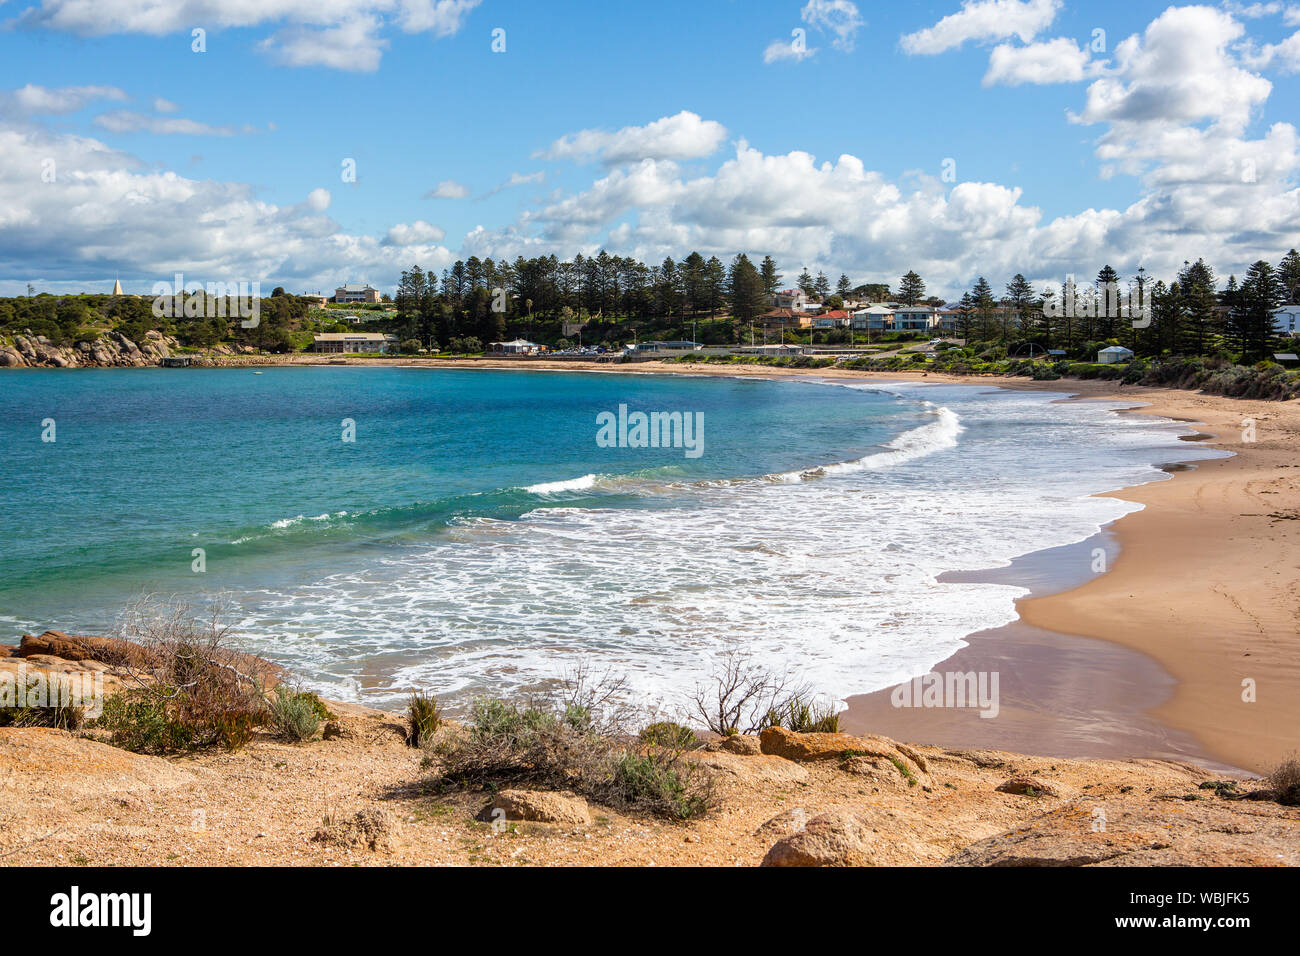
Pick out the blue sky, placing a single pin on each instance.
(263, 154)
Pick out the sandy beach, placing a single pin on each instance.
(1189, 645)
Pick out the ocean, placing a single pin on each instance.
(474, 532)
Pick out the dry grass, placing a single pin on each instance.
(192, 687)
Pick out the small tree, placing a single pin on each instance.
(741, 695)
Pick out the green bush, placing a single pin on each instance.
(658, 782)
(567, 747)
(665, 733)
(139, 722)
(422, 719)
(295, 715)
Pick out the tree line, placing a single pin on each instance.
(484, 299)
(1189, 315)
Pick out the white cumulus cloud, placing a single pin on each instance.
(984, 20)
(839, 17)
(335, 34)
(1051, 61)
(684, 136)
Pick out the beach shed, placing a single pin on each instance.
(516, 347)
(1114, 355)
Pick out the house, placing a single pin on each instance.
(780, 317)
(681, 346)
(316, 298)
(776, 349)
(353, 292)
(833, 319)
(793, 299)
(949, 318)
(876, 318)
(343, 342)
(517, 347)
(1286, 358)
(1286, 320)
(1114, 355)
(914, 318)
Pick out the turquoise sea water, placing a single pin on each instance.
(475, 536)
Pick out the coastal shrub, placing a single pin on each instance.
(659, 781)
(193, 688)
(468, 345)
(139, 722)
(1285, 780)
(740, 695)
(803, 716)
(422, 719)
(1134, 372)
(1044, 373)
(665, 733)
(1267, 380)
(295, 715)
(574, 742)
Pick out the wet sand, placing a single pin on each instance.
(1062, 695)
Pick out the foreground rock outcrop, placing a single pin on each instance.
(363, 796)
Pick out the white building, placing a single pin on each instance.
(516, 347)
(914, 318)
(1114, 355)
(343, 342)
(876, 318)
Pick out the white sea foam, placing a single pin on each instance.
(556, 487)
(919, 442)
(837, 578)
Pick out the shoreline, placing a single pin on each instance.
(1203, 586)
(1145, 660)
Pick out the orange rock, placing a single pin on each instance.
(804, 747)
(72, 647)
